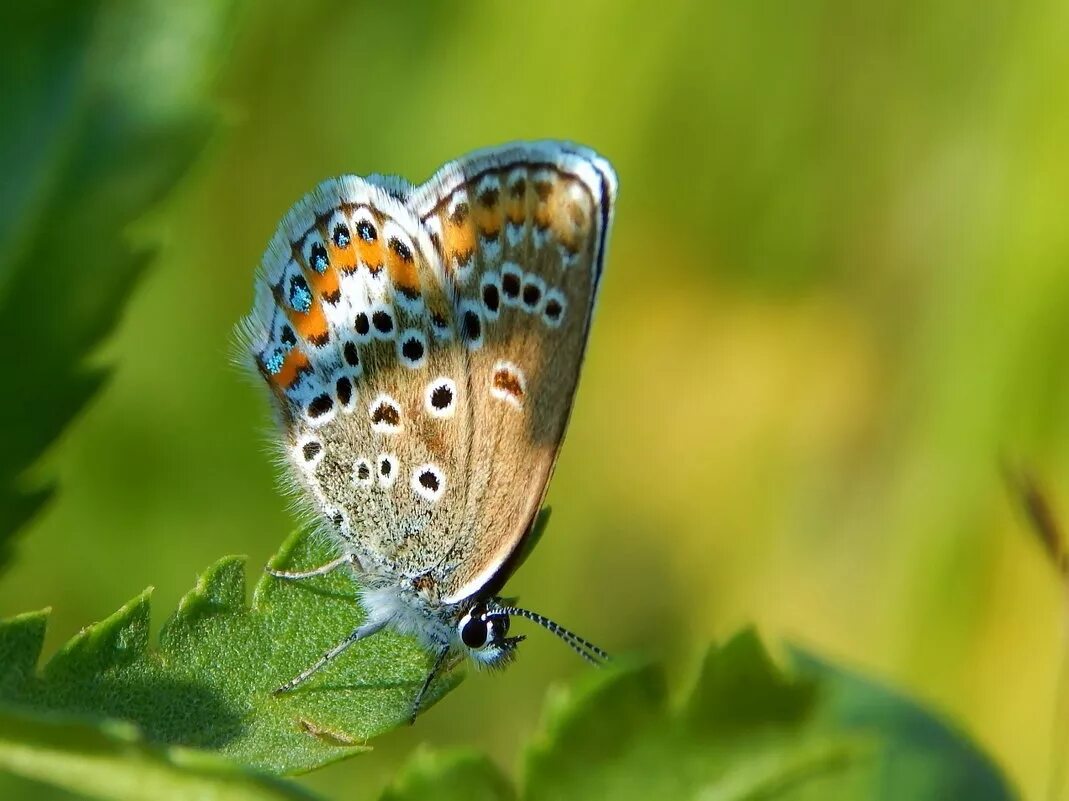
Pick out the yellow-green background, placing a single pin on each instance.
(837, 295)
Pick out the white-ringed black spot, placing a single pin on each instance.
(351, 354)
(442, 397)
(412, 349)
(362, 324)
(341, 235)
(491, 298)
(439, 398)
(428, 482)
(363, 475)
(318, 260)
(366, 231)
(532, 293)
(553, 311)
(383, 321)
(320, 405)
(387, 469)
(311, 449)
(510, 285)
(344, 387)
(401, 249)
(473, 328)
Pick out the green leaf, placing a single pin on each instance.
(459, 775)
(209, 682)
(112, 761)
(104, 113)
(749, 730)
(922, 757)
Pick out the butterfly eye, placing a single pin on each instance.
(474, 631)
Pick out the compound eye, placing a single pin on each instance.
(475, 632)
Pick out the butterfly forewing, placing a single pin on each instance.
(353, 331)
(423, 346)
(520, 232)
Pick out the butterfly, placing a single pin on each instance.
(422, 347)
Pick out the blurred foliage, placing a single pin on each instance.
(104, 113)
(209, 682)
(110, 761)
(835, 296)
(747, 731)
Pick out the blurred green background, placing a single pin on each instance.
(836, 298)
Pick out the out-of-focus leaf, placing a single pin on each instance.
(112, 762)
(749, 730)
(452, 776)
(104, 113)
(744, 731)
(922, 756)
(209, 682)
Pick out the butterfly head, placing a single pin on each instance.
(483, 631)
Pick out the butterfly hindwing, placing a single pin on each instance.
(520, 231)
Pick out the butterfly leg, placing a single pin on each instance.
(436, 668)
(322, 570)
(360, 633)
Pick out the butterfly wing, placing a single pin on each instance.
(521, 233)
(422, 347)
(354, 333)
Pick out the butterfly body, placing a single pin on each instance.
(422, 345)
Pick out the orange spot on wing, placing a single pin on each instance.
(294, 364)
(488, 218)
(342, 259)
(516, 210)
(312, 324)
(323, 285)
(543, 209)
(370, 254)
(458, 241)
(402, 273)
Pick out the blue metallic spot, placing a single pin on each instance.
(274, 363)
(300, 296)
(319, 260)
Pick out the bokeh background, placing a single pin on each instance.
(837, 298)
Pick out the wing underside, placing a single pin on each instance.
(423, 346)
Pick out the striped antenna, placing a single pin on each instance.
(586, 649)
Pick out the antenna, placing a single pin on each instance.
(586, 649)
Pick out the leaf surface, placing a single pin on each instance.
(208, 683)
